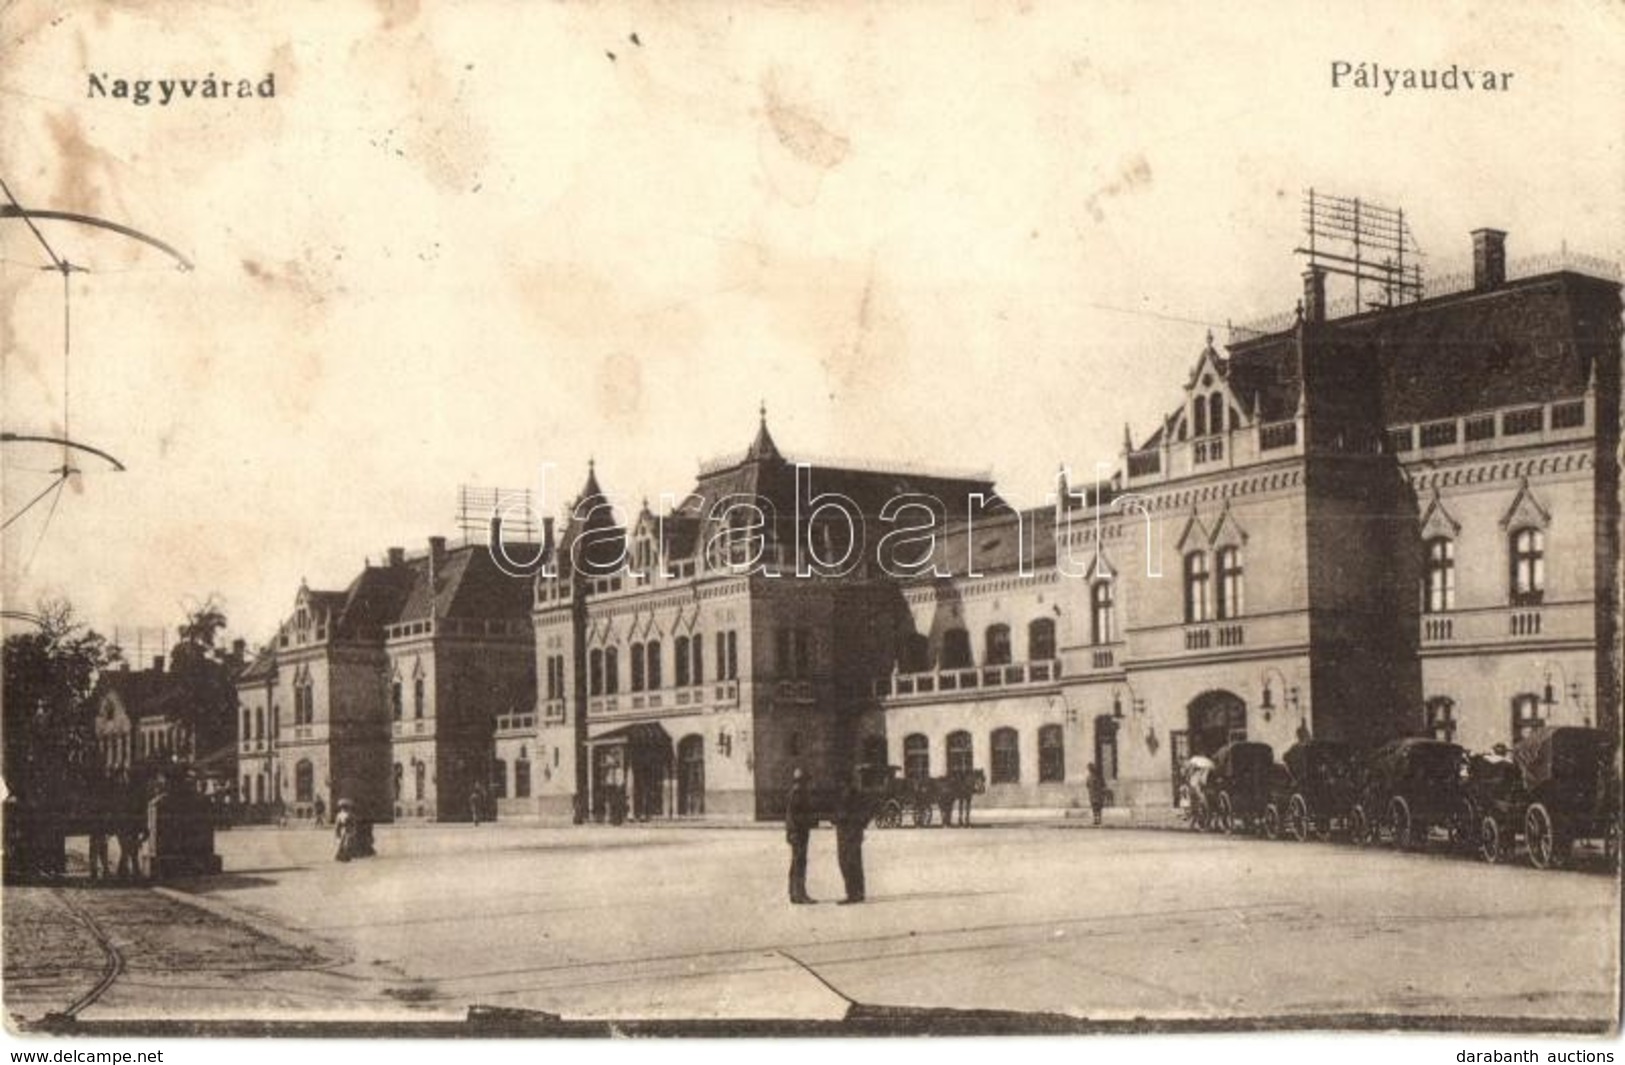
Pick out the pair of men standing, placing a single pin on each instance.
(851, 818)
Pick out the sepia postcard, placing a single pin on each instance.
(812, 519)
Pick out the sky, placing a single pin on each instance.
(464, 243)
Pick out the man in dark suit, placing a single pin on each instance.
(851, 818)
(798, 825)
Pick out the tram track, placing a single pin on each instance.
(111, 970)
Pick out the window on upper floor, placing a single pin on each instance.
(1215, 412)
(1102, 619)
(1439, 575)
(652, 665)
(696, 657)
(915, 653)
(681, 660)
(1198, 606)
(956, 652)
(1041, 639)
(612, 670)
(395, 699)
(417, 696)
(595, 672)
(637, 667)
(997, 646)
(1230, 583)
(1528, 566)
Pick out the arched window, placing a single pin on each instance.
(1197, 606)
(259, 722)
(1103, 623)
(651, 652)
(1215, 413)
(612, 670)
(956, 649)
(246, 733)
(420, 777)
(1200, 428)
(304, 781)
(997, 646)
(1051, 755)
(960, 756)
(417, 696)
(595, 672)
(1041, 639)
(1006, 768)
(1439, 576)
(637, 667)
(397, 777)
(916, 756)
(1230, 585)
(1528, 566)
(681, 660)
(1526, 716)
(697, 660)
(395, 699)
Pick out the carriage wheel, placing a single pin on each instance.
(922, 815)
(1489, 840)
(1399, 819)
(1297, 818)
(891, 814)
(1272, 822)
(1359, 826)
(1225, 818)
(1537, 833)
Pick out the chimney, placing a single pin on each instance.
(437, 551)
(1489, 259)
(1314, 294)
(397, 556)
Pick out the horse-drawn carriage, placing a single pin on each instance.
(897, 799)
(1559, 786)
(1239, 785)
(1313, 792)
(1410, 787)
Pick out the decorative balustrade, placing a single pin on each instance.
(515, 722)
(969, 679)
(1572, 621)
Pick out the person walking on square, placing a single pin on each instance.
(798, 824)
(1096, 786)
(320, 810)
(476, 804)
(851, 818)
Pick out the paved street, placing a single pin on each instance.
(691, 922)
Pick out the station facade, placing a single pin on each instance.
(1400, 520)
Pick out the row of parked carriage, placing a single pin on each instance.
(1555, 788)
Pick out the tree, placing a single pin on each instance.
(206, 696)
(50, 740)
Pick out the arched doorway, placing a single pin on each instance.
(1215, 719)
(691, 776)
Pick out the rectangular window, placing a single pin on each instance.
(1006, 756)
(1526, 717)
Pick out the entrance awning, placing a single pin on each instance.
(640, 736)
